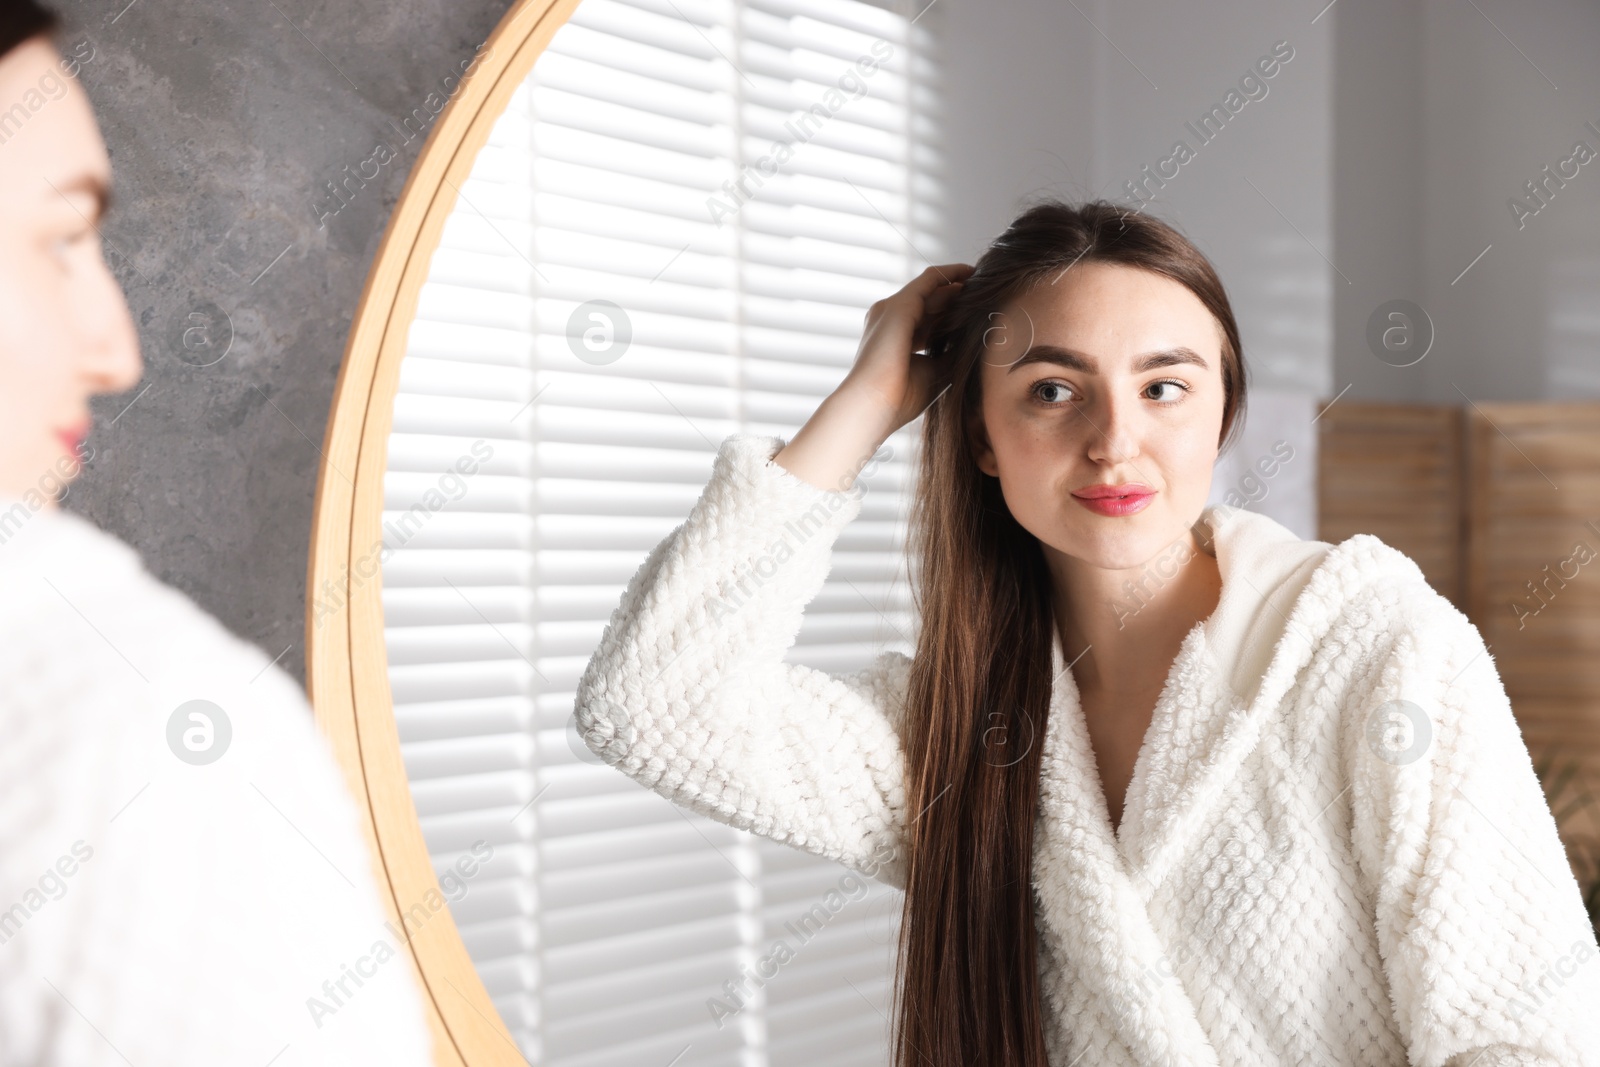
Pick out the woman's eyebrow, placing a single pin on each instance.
(94, 186)
(1066, 357)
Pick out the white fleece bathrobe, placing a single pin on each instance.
(156, 912)
(1305, 872)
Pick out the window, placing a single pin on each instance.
(639, 166)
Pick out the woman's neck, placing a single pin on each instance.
(1121, 628)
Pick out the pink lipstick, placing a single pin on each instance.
(72, 439)
(1114, 500)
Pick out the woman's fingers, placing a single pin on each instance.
(934, 304)
(951, 271)
(896, 328)
(932, 278)
(941, 296)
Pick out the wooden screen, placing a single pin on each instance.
(1395, 471)
(1533, 573)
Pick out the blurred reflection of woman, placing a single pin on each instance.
(1163, 783)
(183, 878)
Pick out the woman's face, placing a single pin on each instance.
(1110, 376)
(65, 331)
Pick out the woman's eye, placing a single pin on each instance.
(70, 241)
(1171, 398)
(1061, 390)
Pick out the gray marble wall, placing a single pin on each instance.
(225, 122)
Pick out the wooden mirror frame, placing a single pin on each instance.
(347, 666)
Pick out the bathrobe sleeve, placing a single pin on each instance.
(688, 692)
(1490, 957)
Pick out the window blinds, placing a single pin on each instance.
(609, 926)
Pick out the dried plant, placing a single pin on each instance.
(1566, 783)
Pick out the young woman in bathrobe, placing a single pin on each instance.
(183, 876)
(1164, 784)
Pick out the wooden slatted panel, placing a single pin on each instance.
(1533, 520)
(1395, 471)
(1534, 512)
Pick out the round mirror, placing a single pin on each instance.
(637, 228)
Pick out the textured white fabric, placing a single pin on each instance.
(1293, 881)
(154, 912)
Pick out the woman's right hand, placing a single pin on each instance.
(887, 370)
(888, 386)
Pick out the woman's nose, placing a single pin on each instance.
(111, 359)
(1113, 429)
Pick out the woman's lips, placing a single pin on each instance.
(72, 439)
(1115, 500)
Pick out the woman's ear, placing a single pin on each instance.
(978, 438)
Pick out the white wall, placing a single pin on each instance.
(1524, 323)
(1443, 111)
(1019, 101)
(1377, 187)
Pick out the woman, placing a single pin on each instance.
(183, 879)
(1163, 783)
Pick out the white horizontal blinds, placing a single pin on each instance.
(834, 228)
(610, 926)
(832, 231)
(644, 908)
(459, 589)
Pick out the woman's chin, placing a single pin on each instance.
(1124, 544)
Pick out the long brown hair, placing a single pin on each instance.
(967, 984)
